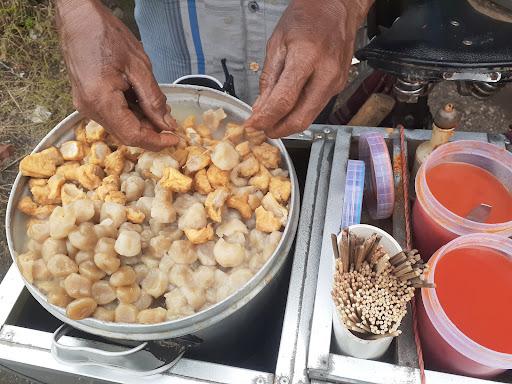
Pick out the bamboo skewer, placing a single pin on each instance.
(371, 289)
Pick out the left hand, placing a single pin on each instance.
(307, 63)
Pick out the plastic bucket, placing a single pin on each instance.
(433, 224)
(445, 347)
(345, 341)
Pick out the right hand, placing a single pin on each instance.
(106, 62)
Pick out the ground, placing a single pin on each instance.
(35, 94)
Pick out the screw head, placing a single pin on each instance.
(455, 23)
(284, 380)
(467, 42)
(327, 131)
(260, 380)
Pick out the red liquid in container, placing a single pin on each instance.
(460, 187)
(474, 287)
(451, 183)
(464, 321)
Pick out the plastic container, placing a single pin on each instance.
(346, 342)
(433, 224)
(445, 347)
(354, 187)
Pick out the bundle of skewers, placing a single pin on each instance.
(371, 288)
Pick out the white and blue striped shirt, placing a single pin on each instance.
(184, 37)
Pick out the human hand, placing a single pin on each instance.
(307, 63)
(106, 63)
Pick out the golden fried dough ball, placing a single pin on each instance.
(41, 191)
(243, 149)
(135, 215)
(55, 184)
(180, 155)
(201, 182)
(133, 153)
(62, 222)
(266, 221)
(94, 132)
(281, 188)
(198, 158)
(254, 200)
(261, 180)
(203, 131)
(254, 136)
(249, 167)
(199, 236)
(189, 122)
(61, 265)
(38, 230)
(70, 193)
(225, 156)
(228, 255)
(103, 314)
(155, 283)
(160, 162)
(115, 212)
(69, 170)
(89, 176)
(175, 181)
(98, 154)
(213, 118)
(217, 177)
(83, 238)
(128, 243)
(73, 150)
(108, 263)
(103, 292)
(240, 203)
(89, 270)
(215, 202)
(126, 313)
(270, 204)
(114, 163)
(116, 197)
(194, 217)
(193, 138)
(234, 133)
(77, 286)
(133, 187)
(37, 165)
(268, 155)
(80, 131)
(28, 207)
(52, 247)
(182, 252)
(125, 275)
(25, 263)
(128, 294)
(81, 308)
(152, 316)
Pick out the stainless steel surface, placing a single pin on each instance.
(184, 100)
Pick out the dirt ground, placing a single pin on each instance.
(35, 95)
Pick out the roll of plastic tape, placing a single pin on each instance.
(353, 199)
(379, 191)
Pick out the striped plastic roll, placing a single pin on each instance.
(379, 192)
(353, 199)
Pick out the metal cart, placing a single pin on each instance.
(296, 344)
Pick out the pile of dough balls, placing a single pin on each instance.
(131, 236)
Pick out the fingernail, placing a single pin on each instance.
(169, 120)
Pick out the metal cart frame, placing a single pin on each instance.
(304, 351)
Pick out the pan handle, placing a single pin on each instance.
(148, 358)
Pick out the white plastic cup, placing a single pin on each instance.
(345, 342)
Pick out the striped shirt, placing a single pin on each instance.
(183, 37)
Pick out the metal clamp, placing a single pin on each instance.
(148, 358)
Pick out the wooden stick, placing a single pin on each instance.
(359, 257)
(352, 247)
(334, 242)
(345, 251)
(398, 258)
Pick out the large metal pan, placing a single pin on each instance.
(221, 320)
